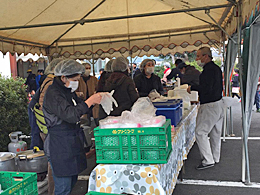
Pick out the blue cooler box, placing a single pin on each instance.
(172, 109)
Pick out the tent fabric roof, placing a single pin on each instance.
(111, 28)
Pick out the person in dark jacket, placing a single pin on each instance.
(136, 70)
(30, 82)
(64, 144)
(147, 81)
(104, 76)
(210, 114)
(190, 74)
(38, 78)
(43, 77)
(125, 93)
(235, 84)
(175, 71)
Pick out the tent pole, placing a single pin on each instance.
(226, 70)
(207, 12)
(230, 112)
(225, 125)
(83, 21)
(76, 24)
(131, 61)
(245, 159)
(138, 39)
(93, 62)
(202, 28)
(228, 123)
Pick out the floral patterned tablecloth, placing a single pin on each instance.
(148, 179)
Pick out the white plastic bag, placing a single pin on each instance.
(157, 121)
(107, 102)
(128, 120)
(110, 122)
(143, 109)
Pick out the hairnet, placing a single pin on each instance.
(86, 64)
(68, 67)
(120, 64)
(181, 65)
(50, 68)
(108, 66)
(167, 64)
(144, 62)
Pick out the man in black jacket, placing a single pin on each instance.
(175, 71)
(210, 114)
(190, 74)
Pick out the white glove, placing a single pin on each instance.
(107, 102)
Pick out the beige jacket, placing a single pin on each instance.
(49, 78)
(90, 86)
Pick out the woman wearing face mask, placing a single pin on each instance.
(87, 87)
(64, 145)
(147, 81)
(123, 86)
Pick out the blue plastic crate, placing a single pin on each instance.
(171, 110)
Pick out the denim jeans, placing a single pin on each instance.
(35, 131)
(64, 185)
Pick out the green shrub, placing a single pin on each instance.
(13, 109)
(194, 63)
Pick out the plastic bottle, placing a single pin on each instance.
(178, 81)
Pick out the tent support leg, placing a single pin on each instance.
(245, 166)
(227, 130)
(231, 123)
(225, 125)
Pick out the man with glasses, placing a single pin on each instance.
(210, 113)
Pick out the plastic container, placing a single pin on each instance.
(18, 183)
(172, 109)
(143, 145)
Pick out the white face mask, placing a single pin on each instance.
(201, 64)
(87, 72)
(149, 70)
(73, 85)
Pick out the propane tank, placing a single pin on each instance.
(16, 145)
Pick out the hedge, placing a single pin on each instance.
(13, 109)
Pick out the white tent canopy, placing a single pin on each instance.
(110, 28)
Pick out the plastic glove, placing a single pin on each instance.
(153, 95)
(107, 102)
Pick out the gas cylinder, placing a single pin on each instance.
(16, 145)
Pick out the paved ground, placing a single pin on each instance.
(228, 171)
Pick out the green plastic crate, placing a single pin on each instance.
(145, 145)
(18, 183)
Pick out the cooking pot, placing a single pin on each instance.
(7, 161)
(32, 161)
